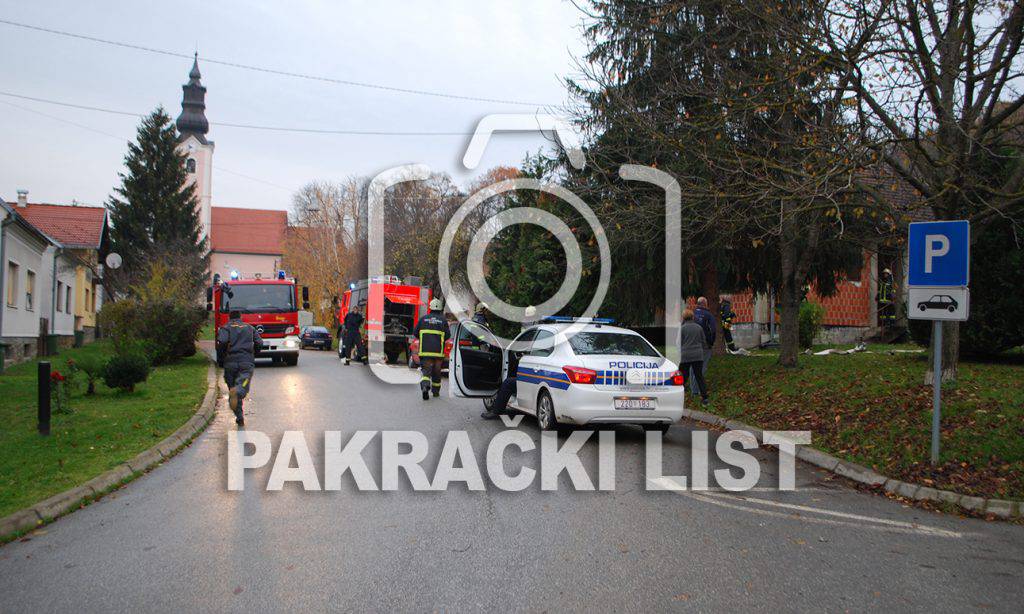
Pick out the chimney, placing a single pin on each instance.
(23, 198)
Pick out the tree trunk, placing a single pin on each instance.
(950, 354)
(709, 287)
(789, 317)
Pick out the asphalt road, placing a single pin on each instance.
(177, 539)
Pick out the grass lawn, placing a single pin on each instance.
(208, 331)
(103, 431)
(871, 408)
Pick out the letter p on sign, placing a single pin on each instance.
(935, 246)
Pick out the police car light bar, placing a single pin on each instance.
(566, 319)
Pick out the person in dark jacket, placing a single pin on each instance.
(702, 316)
(352, 337)
(432, 331)
(693, 345)
(480, 317)
(237, 344)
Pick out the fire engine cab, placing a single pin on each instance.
(390, 309)
(271, 306)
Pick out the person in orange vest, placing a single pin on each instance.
(432, 332)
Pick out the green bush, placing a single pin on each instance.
(166, 329)
(125, 370)
(92, 365)
(811, 316)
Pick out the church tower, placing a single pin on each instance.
(192, 127)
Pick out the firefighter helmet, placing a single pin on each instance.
(435, 304)
(481, 307)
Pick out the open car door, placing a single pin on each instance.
(476, 361)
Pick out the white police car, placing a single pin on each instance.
(571, 371)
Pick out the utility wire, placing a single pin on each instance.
(236, 125)
(126, 140)
(376, 86)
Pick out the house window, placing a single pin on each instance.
(60, 293)
(190, 165)
(12, 284)
(67, 299)
(30, 288)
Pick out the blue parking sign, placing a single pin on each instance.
(939, 253)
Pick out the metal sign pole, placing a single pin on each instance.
(936, 388)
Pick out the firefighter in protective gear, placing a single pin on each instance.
(886, 301)
(480, 317)
(432, 332)
(350, 341)
(237, 344)
(726, 314)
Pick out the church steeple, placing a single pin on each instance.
(192, 120)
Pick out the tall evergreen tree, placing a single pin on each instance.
(155, 212)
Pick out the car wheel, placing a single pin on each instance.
(546, 412)
(922, 307)
(952, 308)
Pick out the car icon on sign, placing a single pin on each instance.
(939, 301)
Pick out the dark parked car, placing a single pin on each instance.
(939, 301)
(316, 337)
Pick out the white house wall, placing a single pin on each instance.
(26, 251)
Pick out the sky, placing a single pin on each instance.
(519, 51)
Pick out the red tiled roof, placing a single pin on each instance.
(248, 231)
(74, 226)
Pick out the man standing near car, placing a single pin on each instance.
(350, 342)
(702, 315)
(237, 344)
(432, 332)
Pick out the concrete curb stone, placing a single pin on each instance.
(19, 522)
(975, 504)
(69, 500)
(1001, 508)
(61, 502)
(859, 473)
(864, 475)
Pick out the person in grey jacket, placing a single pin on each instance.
(693, 344)
(237, 343)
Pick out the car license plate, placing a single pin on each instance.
(635, 403)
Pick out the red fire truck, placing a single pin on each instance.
(390, 309)
(269, 305)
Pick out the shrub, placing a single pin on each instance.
(811, 316)
(92, 366)
(166, 329)
(125, 370)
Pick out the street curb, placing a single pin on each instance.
(869, 477)
(54, 507)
